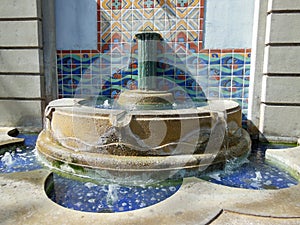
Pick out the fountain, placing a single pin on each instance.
(146, 133)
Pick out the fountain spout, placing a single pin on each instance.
(147, 58)
(147, 96)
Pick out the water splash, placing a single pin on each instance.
(106, 104)
(112, 194)
(7, 159)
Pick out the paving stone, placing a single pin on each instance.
(23, 201)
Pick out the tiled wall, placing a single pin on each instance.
(113, 65)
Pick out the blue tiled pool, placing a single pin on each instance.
(20, 157)
(91, 197)
(86, 195)
(254, 173)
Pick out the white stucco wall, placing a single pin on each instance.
(22, 96)
(76, 24)
(228, 24)
(275, 106)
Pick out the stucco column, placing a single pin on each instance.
(256, 70)
(49, 39)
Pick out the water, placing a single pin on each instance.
(107, 103)
(85, 195)
(254, 173)
(19, 157)
(91, 197)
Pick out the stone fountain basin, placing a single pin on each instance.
(159, 140)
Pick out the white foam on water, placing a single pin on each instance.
(106, 104)
(7, 159)
(215, 176)
(112, 194)
(90, 185)
(258, 176)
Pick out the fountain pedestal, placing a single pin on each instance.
(106, 142)
(142, 99)
(143, 134)
(147, 96)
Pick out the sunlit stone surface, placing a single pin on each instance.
(81, 139)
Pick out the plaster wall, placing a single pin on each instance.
(76, 24)
(21, 59)
(227, 24)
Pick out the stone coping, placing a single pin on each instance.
(197, 202)
(213, 105)
(287, 158)
(6, 136)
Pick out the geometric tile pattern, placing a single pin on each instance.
(219, 73)
(179, 19)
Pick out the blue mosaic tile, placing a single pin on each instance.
(227, 59)
(247, 70)
(92, 197)
(214, 58)
(202, 70)
(238, 71)
(237, 92)
(248, 58)
(246, 92)
(212, 82)
(246, 81)
(226, 70)
(225, 92)
(214, 92)
(226, 81)
(237, 82)
(214, 70)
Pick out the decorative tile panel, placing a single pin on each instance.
(182, 62)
